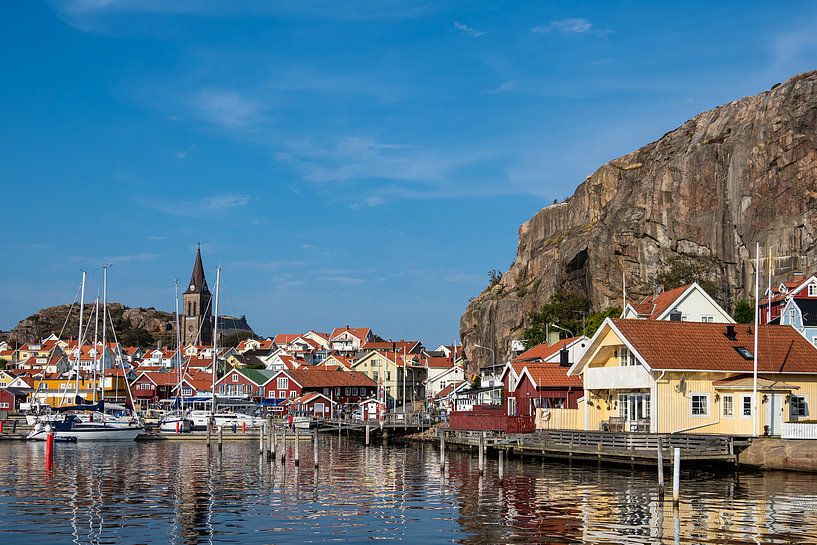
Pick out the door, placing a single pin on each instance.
(774, 413)
(634, 409)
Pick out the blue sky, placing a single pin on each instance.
(361, 163)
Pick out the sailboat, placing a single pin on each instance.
(72, 427)
(177, 421)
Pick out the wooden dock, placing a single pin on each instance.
(607, 447)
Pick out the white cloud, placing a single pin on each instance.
(116, 259)
(471, 31)
(225, 107)
(570, 25)
(505, 87)
(215, 204)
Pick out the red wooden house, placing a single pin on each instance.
(312, 404)
(150, 388)
(342, 387)
(544, 385)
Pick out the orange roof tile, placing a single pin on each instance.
(701, 347)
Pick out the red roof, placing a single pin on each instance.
(313, 378)
(702, 347)
(653, 306)
(285, 338)
(439, 363)
(552, 375)
(543, 351)
(448, 389)
(360, 332)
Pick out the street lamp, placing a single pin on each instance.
(563, 329)
(493, 358)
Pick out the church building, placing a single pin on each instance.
(198, 307)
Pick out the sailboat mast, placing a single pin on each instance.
(104, 327)
(96, 346)
(757, 333)
(215, 343)
(179, 370)
(769, 290)
(79, 337)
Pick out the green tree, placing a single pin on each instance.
(234, 338)
(564, 309)
(744, 311)
(494, 276)
(595, 320)
(680, 270)
(137, 337)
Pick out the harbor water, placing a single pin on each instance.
(183, 493)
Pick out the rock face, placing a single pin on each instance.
(743, 172)
(158, 324)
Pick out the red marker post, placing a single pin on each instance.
(49, 450)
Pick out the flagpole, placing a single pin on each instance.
(757, 320)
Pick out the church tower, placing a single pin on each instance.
(197, 309)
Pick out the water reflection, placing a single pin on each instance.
(185, 493)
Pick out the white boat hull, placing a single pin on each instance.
(227, 420)
(175, 425)
(95, 433)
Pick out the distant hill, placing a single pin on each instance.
(133, 326)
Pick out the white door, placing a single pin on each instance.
(774, 413)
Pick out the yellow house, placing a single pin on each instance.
(394, 376)
(57, 390)
(673, 377)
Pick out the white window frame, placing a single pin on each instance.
(793, 416)
(743, 399)
(626, 358)
(692, 397)
(511, 406)
(812, 290)
(235, 377)
(731, 399)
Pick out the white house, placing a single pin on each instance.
(688, 303)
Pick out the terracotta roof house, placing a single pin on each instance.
(689, 303)
(673, 377)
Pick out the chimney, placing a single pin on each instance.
(564, 358)
(553, 337)
(675, 316)
(730, 332)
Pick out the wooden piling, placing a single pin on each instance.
(220, 436)
(481, 455)
(315, 448)
(209, 430)
(270, 435)
(501, 465)
(676, 475)
(284, 445)
(442, 451)
(660, 454)
(367, 435)
(262, 433)
(297, 450)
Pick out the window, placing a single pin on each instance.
(319, 408)
(4, 405)
(354, 391)
(814, 341)
(626, 358)
(708, 319)
(282, 394)
(746, 404)
(745, 352)
(235, 377)
(293, 394)
(282, 383)
(798, 405)
(700, 405)
(511, 406)
(728, 406)
(812, 290)
(337, 391)
(347, 391)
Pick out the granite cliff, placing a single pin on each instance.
(740, 173)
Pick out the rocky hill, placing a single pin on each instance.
(132, 325)
(740, 173)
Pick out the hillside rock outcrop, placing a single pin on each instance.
(740, 173)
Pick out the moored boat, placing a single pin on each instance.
(71, 429)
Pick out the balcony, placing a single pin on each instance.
(617, 378)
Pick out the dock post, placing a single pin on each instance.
(501, 465)
(315, 448)
(367, 434)
(442, 451)
(660, 453)
(273, 442)
(481, 453)
(220, 436)
(284, 445)
(297, 450)
(49, 450)
(209, 430)
(676, 475)
(261, 434)
(270, 435)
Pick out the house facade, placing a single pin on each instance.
(671, 377)
(689, 303)
(400, 379)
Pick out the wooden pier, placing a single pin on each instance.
(607, 447)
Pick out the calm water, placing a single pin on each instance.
(174, 492)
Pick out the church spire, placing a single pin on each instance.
(198, 283)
